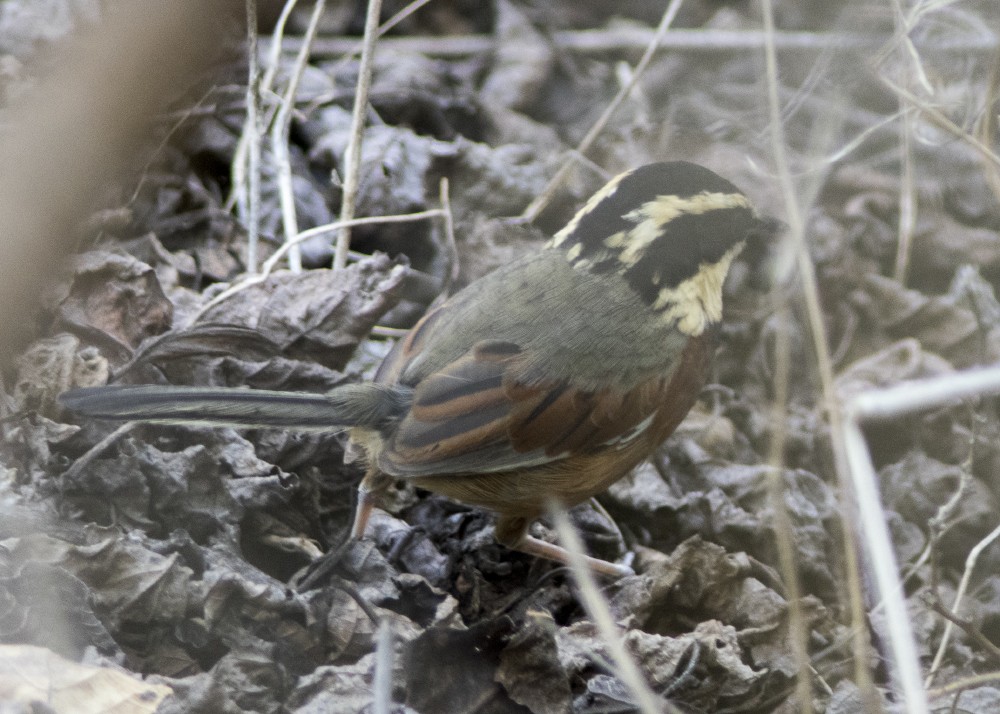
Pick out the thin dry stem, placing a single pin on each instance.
(350, 52)
(272, 262)
(940, 523)
(907, 201)
(78, 466)
(352, 156)
(959, 685)
(883, 564)
(393, 332)
(782, 521)
(942, 121)
(897, 401)
(824, 364)
(970, 565)
(250, 194)
(240, 156)
(907, 189)
(907, 667)
(988, 125)
(922, 394)
(277, 42)
(181, 119)
(542, 200)
(967, 626)
(279, 139)
(451, 274)
(600, 614)
(358, 46)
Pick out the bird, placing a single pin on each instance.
(546, 380)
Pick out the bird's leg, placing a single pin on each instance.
(369, 493)
(512, 532)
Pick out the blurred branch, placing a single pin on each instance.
(76, 129)
(636, 39)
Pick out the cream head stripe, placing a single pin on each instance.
(697, 301)
(609, 188)
(653, 215)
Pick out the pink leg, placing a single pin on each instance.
(372, 486)
(513, 533)
(542, 549)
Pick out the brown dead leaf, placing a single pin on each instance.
(117, 295)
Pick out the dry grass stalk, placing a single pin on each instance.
(352, 155)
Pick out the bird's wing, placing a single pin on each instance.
(479, 414)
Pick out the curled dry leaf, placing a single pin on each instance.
(118, 296)
(947, 325)
(318, 316)
(899, 362)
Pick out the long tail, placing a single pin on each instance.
(368, 405)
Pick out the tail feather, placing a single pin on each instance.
(367, 405)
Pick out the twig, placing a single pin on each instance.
(451, 274)
(907, 201)
(393, 332)
(917, 395)
(970, 565)
(976, 680)
(988, 125)
(942, 520)
(277, 44)
(358, 45)
(882, 560)
(966, 626)
(250, 208)
(352, 156)
(240, 156)
(96, 450)
(279, 139)
(907, 191)
(882, 404)
(542, 200)
(181, 118)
